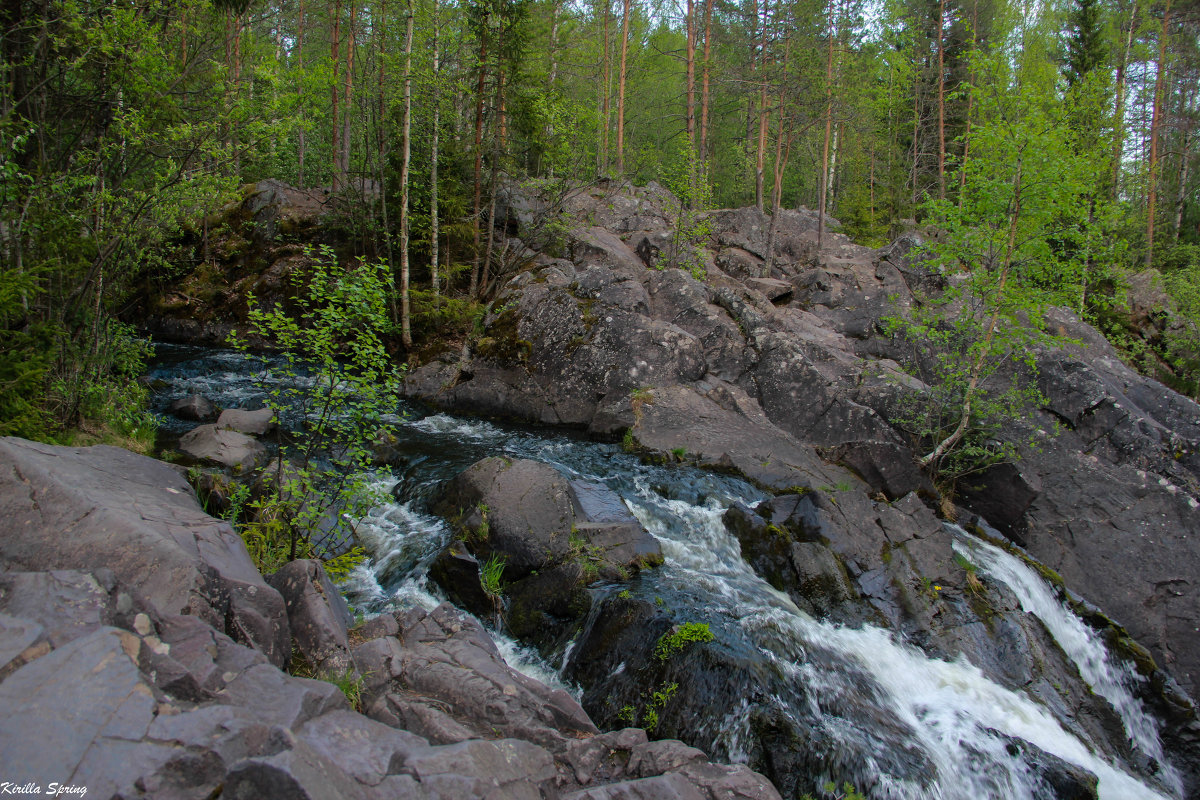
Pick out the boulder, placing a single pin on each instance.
(553, 536)
(103, 507)
(888, 467)
(256, 422)
(193, 407)
(218, 447)
(317, 616)
(450, 664)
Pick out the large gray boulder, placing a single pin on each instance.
(318, 616)
(214, 446)
(106, 508)
(554, 537)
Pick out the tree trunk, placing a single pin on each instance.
(916, 149)
(824, 186)
(941, 86)
(764, 115)
(485, 277)
(335, 47)
(1119, 112)
(625, 8)
(476, 206)
(300, 93)
(1155, 125)
(962, 169)
(405, 158)
(433, 154)
(691, 74)
(605, 109)
(704, 85)
(554, 44)
(1184, 163)
(347, 116)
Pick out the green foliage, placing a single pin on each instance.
(687, 179)
(339, 568)
(1026, 234)
(675, 640)
(830, 791)
(491, 574)
(351, 684)
(1182, 339)
(335, 385)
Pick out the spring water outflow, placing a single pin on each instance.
(901, 724)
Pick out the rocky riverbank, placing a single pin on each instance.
(793, 381)
(141, 655)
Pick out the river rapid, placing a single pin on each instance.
(887, 717)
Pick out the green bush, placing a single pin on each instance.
(337, 384)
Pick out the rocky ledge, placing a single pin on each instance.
(772, 359)
(141, 655)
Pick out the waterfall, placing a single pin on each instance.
(901, 725)
(1114, 681)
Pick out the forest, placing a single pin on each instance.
(1056, 140)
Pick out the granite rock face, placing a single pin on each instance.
(103, 507)
(802, 389)
(120, 603)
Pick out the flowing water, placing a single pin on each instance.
(880, 712)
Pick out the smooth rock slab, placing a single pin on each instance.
(256, 422)
(77, 714)
(220, 447)
(104, 507)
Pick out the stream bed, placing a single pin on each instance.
(874, 709)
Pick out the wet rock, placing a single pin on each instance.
(1063, 779)
(218, 447)
(317, 616)
(457, 572)
(193, 407)
(449, 663)
(102, 507)
(552, 535)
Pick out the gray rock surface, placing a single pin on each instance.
(253, 422)
(103, 507)
(554, 537)
(805, 390)
(215, 446)
(318, 616)
(104, 686)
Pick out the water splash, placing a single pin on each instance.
(1115, 681)
(859, 690)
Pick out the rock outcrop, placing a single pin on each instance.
(551, 537)
(799, 388)
(139, 653)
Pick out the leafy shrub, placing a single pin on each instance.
(334, 389)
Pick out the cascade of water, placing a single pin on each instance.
(951, 708)
(914, 727)
(1114, 681)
